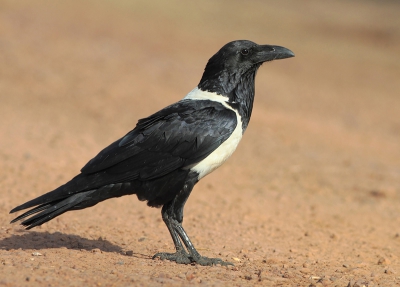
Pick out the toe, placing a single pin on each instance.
(178, 257)
(205, 261)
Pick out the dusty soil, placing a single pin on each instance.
(310, 198)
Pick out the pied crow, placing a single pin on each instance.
(167, 153)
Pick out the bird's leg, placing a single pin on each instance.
(194, 255)
(180, 256)
(172, 214)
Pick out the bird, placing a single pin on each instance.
(167, 153)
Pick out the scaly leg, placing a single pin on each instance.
(172, 214)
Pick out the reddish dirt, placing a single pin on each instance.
(310, 198)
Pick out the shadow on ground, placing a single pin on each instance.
(45, 240)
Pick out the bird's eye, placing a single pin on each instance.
(244, 52)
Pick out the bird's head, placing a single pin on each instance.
(235, 61)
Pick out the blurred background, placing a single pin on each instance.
(321, 155)
(79, 55)
(89, 70)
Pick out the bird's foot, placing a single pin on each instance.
(181, 257)
(205, 261)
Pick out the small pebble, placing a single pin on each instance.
(334, 236)
(305, 271)
(248, 277)
(315, 277)
(236, 259)
(389, 271)
(383, 261)
(359, 284)
(190, 276)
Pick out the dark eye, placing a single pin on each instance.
(244, 52)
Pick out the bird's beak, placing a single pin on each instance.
(270, 53)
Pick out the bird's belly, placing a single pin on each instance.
(221, 154)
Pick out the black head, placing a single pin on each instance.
(236, 60)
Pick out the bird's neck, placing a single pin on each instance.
(242, 97)
(239, 90)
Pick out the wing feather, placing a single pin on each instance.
(175, 137)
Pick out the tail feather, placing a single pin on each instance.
(58, 194)
(42, 200)
(32, 211)
(48, 211)
(50, 206)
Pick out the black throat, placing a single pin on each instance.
(239, 88)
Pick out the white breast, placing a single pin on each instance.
(225, 150)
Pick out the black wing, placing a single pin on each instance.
(175, 137)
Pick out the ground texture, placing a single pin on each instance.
(310, 198)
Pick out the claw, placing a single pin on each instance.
(182, 257)
(205, 261)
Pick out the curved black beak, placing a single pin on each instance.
(269, 53)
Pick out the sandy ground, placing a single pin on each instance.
(310, 198)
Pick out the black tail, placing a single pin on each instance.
(51, 204)
(50, 210)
